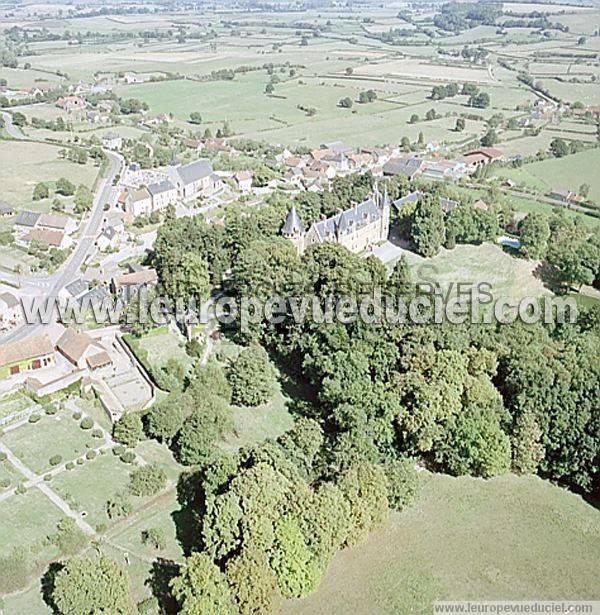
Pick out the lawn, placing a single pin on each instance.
(88, 487)
(507, 275)
(466, 538)
(35, 443)
(162, 345)
(26, 519)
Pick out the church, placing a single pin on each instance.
(357, 228)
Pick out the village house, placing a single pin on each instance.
(108, 239)
(29, 354)
(51, 239)
(163, 193)
(357, 228)
(25, 221)
(563, 195)
(408, 167)
(127, 285)
(243, 180)
(195, 144)
(73, 289)
(56, 222)
(82, 351)
(480, 157)
(6, 210)
(113, 141)
(452, 170)
(71, 103)
(136, 202)
(11, 313)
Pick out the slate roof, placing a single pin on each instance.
(159, 187)
(9, 299)
(195, 171)
(293, 224)
(93, 297)
(27, 218)
(76, 287)
(348, 220)
(403, 166)
(411, 197)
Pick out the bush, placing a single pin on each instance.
(55, 460)
(47, 477)
(34, 417)
(21, 489)
(127, 457)
(80, 461)
(76, 415)
(50, 409)
(118, 450)
(155, 538)
(90, 455)
(2, 456)
(4, 484)
(147, 480)
(86, 423)
(97, 433)
(70, 465)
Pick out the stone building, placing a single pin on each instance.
(356, 228)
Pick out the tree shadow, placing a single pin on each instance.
(162, 572)
(187, 519)
(47, 584)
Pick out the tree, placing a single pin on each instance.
(65, 187)
(427, 226)
(147, 480)
(188, 277)
(296, 569)
(559, 147)
(128, 429)
(195, 118)
(83, 199)
(269, 88)
(19, 119)
(490, 138)
(253, 582)
(400, 282)
(480, 100)
(210, 420)
(41, 191)
(403, 482)
(534, 232)
(345, 103)
(98, 581)
(68, 537)
(431, 115)
(475, 444)
(460, 124)
(414, 118)
(165, 417)
(201, 587)
(584, 190)
(252, 377)
(527, 449)
(154, 537)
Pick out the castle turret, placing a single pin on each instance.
(293, 229)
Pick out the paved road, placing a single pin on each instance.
(71, 269)
(11, 129)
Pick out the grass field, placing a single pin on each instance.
(26, 519)
(23, 165)
(163, 345)
(506, 538)
(508, 276)
(34, 444)
(568, 172)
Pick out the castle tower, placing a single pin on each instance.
(385, 215)
(293, 229)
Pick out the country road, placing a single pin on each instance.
(11, 129)
(71, 268)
